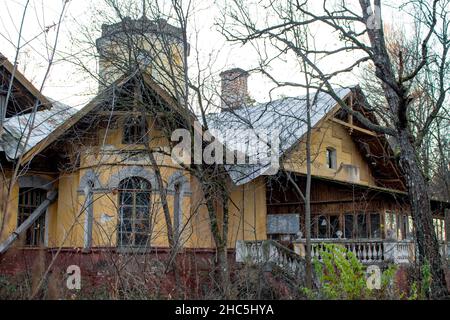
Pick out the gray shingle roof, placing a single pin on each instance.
(17, 129)
(284, 118)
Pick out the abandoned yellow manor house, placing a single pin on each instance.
(100, 179)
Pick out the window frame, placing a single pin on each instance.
(29, 200)
(368, 229)
(134, 208)
(331, 158)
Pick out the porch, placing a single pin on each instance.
(373, 223)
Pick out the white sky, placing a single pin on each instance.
(67, 84)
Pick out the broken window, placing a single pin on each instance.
(134, 212)
(331, 158)
(29, 200)
(134, 130)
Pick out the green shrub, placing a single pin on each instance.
(340, 275)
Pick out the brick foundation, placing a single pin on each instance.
(100, 267)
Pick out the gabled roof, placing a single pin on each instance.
(284, 117)
(96, 101)
(44, 141)
(21, 83)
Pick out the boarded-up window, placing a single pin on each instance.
(29, 200)
(283, 223)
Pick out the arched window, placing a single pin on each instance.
(134, 212)
(134, 130)
(29, 200)
(331, 158)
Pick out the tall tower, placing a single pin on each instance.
(150, 46)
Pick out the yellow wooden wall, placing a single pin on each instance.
(247, 204)
(67, 216)
(9, 203)
(329, 134)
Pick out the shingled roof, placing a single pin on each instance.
(17, 129)
(284, 117)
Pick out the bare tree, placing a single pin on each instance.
(17, 169)
(149, 42)
(360, 31)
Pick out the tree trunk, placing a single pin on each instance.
(427, 251)
(309, 271)
(220, 243)
(223, 272)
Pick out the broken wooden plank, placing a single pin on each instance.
(28, 222)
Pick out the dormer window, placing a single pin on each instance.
(134, 130)
(331, 158)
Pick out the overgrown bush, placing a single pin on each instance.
(252, 282)
(340, 275)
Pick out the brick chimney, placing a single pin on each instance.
(234, 88)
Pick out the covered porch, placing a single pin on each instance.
(373, 223)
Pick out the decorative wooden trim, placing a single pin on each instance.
(353, 127)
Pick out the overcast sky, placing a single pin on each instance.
(67, 84)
